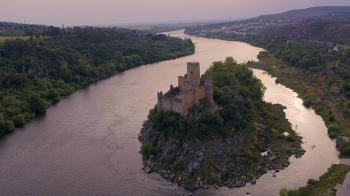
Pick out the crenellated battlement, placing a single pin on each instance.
(190, 90)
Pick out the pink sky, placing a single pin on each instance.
(107, 12)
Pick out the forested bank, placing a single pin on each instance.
(38, 72)
(320, 76)
(335, 175)
(319, 73)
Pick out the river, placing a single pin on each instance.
(87, 144)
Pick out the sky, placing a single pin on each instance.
(122, 12)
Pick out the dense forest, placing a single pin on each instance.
(38, 72)
(220, 147)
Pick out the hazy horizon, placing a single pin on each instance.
(123, 12)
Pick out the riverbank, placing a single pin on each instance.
(324, 186)
(318, 92)
(96, 130)
(37, 73)
(230, 147)
(315, 92)
(318, 74)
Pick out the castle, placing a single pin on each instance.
(190, 90)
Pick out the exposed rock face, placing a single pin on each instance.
(220, 161)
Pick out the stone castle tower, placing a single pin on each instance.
(190, 90)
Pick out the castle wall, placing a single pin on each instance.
(191, 89)
(189, 99)
(170, 104)
(182, 82)
(193, 72)
(201, 92)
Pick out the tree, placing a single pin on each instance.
(36, 104)
(65, 73)
(5, 125)
(53, 31)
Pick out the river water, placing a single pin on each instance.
(87, 144)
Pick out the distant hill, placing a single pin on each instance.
(325, 24)
(331, 13)
(18, 29)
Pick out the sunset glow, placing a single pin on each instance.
(107, 12)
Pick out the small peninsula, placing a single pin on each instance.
(216, 130)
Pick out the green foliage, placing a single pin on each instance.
(319, 76)
(333, 130)
(262, 55)
(292, 52)
(343, 146)
(231, 134)
(36, 104)
(301, 55)
(284, 192)
(148, 150)
(324, 186)
(37, 72)
(5, 125)
(236, 91)
(65, 73)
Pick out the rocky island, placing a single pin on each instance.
(216, 130)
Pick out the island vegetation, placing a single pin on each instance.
(39, 70)
(243, 139)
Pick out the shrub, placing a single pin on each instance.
(5, 125)
(148, 149)
(346, 150)
(312, 181)
(36, 104)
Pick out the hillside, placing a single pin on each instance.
(18, 29)
(326, 24)
(335, 13)
(38, 72)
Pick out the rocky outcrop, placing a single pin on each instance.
(231, 146)
(218, 161)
